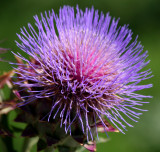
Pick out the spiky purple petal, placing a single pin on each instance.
(86, 64)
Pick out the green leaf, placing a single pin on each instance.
(41, 144)
(29, 143)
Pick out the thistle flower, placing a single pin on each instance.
(86, 67)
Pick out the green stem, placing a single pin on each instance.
(28, 143)
(3, 146)
(49, 149)
(66, 149)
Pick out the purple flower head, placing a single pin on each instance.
(86, 65)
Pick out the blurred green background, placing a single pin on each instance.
(143, 17)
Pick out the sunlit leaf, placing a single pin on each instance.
(5, 78)
(6, 107)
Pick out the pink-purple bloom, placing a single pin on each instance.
(86, 65)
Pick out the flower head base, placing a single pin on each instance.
(85, 66)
